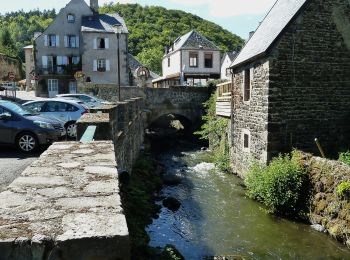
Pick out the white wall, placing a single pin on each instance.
(225, 65)
(175, 63)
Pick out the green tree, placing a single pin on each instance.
(151, 58)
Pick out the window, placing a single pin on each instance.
(247, 85)
(169, 62)
(101, 43)
(208, 60)
(35, 107)
(71, 18)
(101, 65)
(193, 60)
(52, 40)
(246, 139)
(53, 85)
(72, 41)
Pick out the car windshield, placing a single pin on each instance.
(17, 109)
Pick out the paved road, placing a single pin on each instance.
(12, 164)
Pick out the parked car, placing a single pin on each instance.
(90, 101)
(25, 129)
(67, 111)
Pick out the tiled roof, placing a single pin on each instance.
(193, 40)
(273, 25)
(103, 23)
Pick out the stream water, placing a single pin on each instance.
(216, 219)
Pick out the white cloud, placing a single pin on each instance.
(230, 8)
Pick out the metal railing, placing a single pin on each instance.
(58, 70)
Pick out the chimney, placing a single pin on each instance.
(251, 34)
(94, 5)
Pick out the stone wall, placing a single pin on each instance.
(309, 94)
(8, 64)
(250, 117)
(66, 205)
(122, 123)
(328, 211)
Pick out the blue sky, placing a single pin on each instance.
(237, 16)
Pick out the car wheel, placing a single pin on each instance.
(71, 130)
(27, 142)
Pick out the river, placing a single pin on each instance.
(215, 217)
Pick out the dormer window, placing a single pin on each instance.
(71, 18)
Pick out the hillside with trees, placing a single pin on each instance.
(151, 28)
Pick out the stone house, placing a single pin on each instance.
(291, 83)
(81, 39)
(190, 61)
(140, 76)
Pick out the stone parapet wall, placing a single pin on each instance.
(328, 209)
(66, 205)
(123, 123)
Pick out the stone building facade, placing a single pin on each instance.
(292, 83)
(80, 39)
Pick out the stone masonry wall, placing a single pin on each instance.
(328, 211)
(124, 124)
(309, 94)
(66, 205)
(250, 117)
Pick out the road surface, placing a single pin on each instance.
(12, 164)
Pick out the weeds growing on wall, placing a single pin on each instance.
(215, 130)
(279, 185)
(345, 157)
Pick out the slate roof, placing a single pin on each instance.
(105, 23)
(282, 12)
(232, 55)
(134, 64)
(193, 40)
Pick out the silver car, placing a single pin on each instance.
(88, 100)
(67, 111)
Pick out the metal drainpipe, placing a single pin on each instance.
(118, 36)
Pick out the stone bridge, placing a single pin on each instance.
(181, 101)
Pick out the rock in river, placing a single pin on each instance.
(171, 180)
(171, 203)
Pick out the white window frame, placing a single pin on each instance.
(52, 83)
(101, 65)
(71, 20)
(246, 132)
(52, 40)
(251, 70)
(193, 60)
(70, 39)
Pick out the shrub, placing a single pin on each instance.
(345, 157)
(343, 189)
(278, 185)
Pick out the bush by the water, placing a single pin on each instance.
(345, 157)
(278, 185)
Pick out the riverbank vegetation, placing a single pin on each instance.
(279, 185)
(345, 157)
(215, 130)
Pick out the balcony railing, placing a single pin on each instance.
(58, 70)
(223, 101)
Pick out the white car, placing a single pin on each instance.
(67, 111)
(90, 101)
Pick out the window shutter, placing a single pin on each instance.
(108, 65)
(95, 65)
(46, 40)
(95, 43)
(57, 41)
(107, 43)
(65, 41)
(44, 61)
(77, 41)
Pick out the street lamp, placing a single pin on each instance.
(119, 31)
